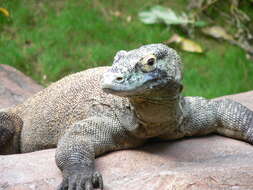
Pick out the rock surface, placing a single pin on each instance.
(210, 163)
(15, 87)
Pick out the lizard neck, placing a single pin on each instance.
(157, 111)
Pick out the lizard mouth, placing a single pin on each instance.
(126, 90)
(134, 84)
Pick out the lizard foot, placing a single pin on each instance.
(82, 181)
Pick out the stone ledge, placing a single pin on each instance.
(15, 87)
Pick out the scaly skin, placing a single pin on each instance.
(111, 108)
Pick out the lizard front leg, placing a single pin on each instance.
(80, 145)
(234, 120)
(224, 117)
(10, 128)
(7, 128)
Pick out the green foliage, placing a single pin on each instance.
(221, 71)
(159, 14)
(50, 39)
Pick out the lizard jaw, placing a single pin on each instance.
(127, 89)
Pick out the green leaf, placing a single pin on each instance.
(200, 23)
(159, 14)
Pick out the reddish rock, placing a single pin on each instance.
(15, 87)
(35, 170)
(210, 163)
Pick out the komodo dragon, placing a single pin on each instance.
(82, 116)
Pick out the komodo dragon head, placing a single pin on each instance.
(153, 69)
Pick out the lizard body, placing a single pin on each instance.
(111, 108)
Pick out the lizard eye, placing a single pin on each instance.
(151, 61)
(148, 63)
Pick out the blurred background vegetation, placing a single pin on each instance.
(50, 39)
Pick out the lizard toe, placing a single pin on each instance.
(97, 180)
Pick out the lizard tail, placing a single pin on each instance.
(10, 128)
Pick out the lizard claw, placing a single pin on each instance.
(82, 181)
(97, 180)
